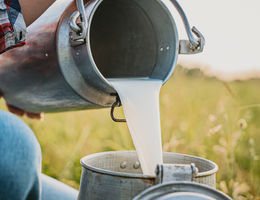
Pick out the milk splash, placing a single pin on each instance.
(140, 100)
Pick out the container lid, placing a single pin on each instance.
(181, 190)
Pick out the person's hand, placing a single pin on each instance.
(20, 112)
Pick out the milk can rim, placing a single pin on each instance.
(166, 8)
(123, 174)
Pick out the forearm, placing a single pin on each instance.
(32, 9)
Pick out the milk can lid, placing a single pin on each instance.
(181, 191)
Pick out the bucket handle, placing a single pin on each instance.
(115, 104)
(193, 45)
(79, 28)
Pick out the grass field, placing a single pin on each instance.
(200, 116)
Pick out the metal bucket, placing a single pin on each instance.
(72, 49)
(118, 175)
(181, 190)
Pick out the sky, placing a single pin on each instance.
(232, 32)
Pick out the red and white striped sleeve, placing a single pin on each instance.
(12, 25)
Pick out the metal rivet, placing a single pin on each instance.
(194, 169)
(168, 48)
(161, 49)
(46, 55)
(77, 53)
(123, 165)
(136, 165)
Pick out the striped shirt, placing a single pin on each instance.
(12, 25)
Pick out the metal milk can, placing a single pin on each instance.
(75, 47)
(117, 175)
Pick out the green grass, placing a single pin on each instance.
(200, 116)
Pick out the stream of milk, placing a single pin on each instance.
(140, 100)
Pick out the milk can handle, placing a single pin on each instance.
(193, 45)
(117, 103)
(79, 28)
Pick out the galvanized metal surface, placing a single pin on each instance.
(30, 76)
(181, 190)
(53, 72)
(83, 24)
(185, 45)
(78, 66)
(114, 175)
(191, 46)
(175, 172)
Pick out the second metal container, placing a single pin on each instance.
(118, 175)
(72, 49)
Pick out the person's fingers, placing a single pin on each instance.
(15, 110)
(38, 116)
(20, 112)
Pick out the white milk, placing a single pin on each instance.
(140, 100)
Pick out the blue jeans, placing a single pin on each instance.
(20, 165)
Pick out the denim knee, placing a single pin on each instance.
(20, 159)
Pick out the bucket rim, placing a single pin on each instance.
(143, 176)
(160, 190)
